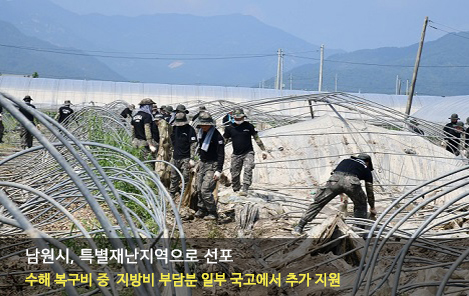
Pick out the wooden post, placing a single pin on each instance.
(310, 103)
(416, 69)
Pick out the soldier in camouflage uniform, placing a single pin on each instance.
(184, 141)
(164, 153)
(345, 179)
(212, 155)
(240, 132)
(26, 136)
(145, 132)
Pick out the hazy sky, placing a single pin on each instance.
(344, 24)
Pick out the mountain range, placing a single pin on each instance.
(443, 71)
(19, 54)
(229, 50)
(164, 48)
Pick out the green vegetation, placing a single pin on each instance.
(215, 231)
(98, 133)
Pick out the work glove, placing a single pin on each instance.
(216, 176)
(153, 149)
(39, 127)
(264, 155)
(191, 163)
(373, 211)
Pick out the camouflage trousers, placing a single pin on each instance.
(161, 168)
(339, 183)
(237, 163)
(205, 186)
(26, 138)
(183, 166)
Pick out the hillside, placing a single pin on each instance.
(19, 55)
(185, 49)
(444, 69)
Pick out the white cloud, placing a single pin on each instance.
(175, 64)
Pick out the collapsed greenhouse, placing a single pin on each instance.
(81, 181)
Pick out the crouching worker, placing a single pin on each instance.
(212, 155)
(345, 179)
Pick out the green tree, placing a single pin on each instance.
(35, 75)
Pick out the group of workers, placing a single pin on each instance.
(26, 136)
(166, 133)
(207, 145)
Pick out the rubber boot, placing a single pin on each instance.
(244, 191)
(298, 230)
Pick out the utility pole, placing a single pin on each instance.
(407, 87)
(416, 69)
(321, 64)
(279, 80)
(335, 84)
(291, 81)
(399, 87)
(397, 83)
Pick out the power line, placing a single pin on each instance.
(383, 65)
(85, 52)
(76, 52)
(458, 30)
(452, 33)
(68, 52)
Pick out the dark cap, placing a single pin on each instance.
(146, 101)
(239, 113)
(454, 116)
(180, 119)
(205, 119)
(27, 99)
(364, 157)
(182, 108)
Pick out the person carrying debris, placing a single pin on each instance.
(240, 132)
(127, 112)
(452, 131)
(212, 155)
(64, 112)
(145, 131)
(184, 141)
(345, 179)
(164, 151)
(26, 136)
